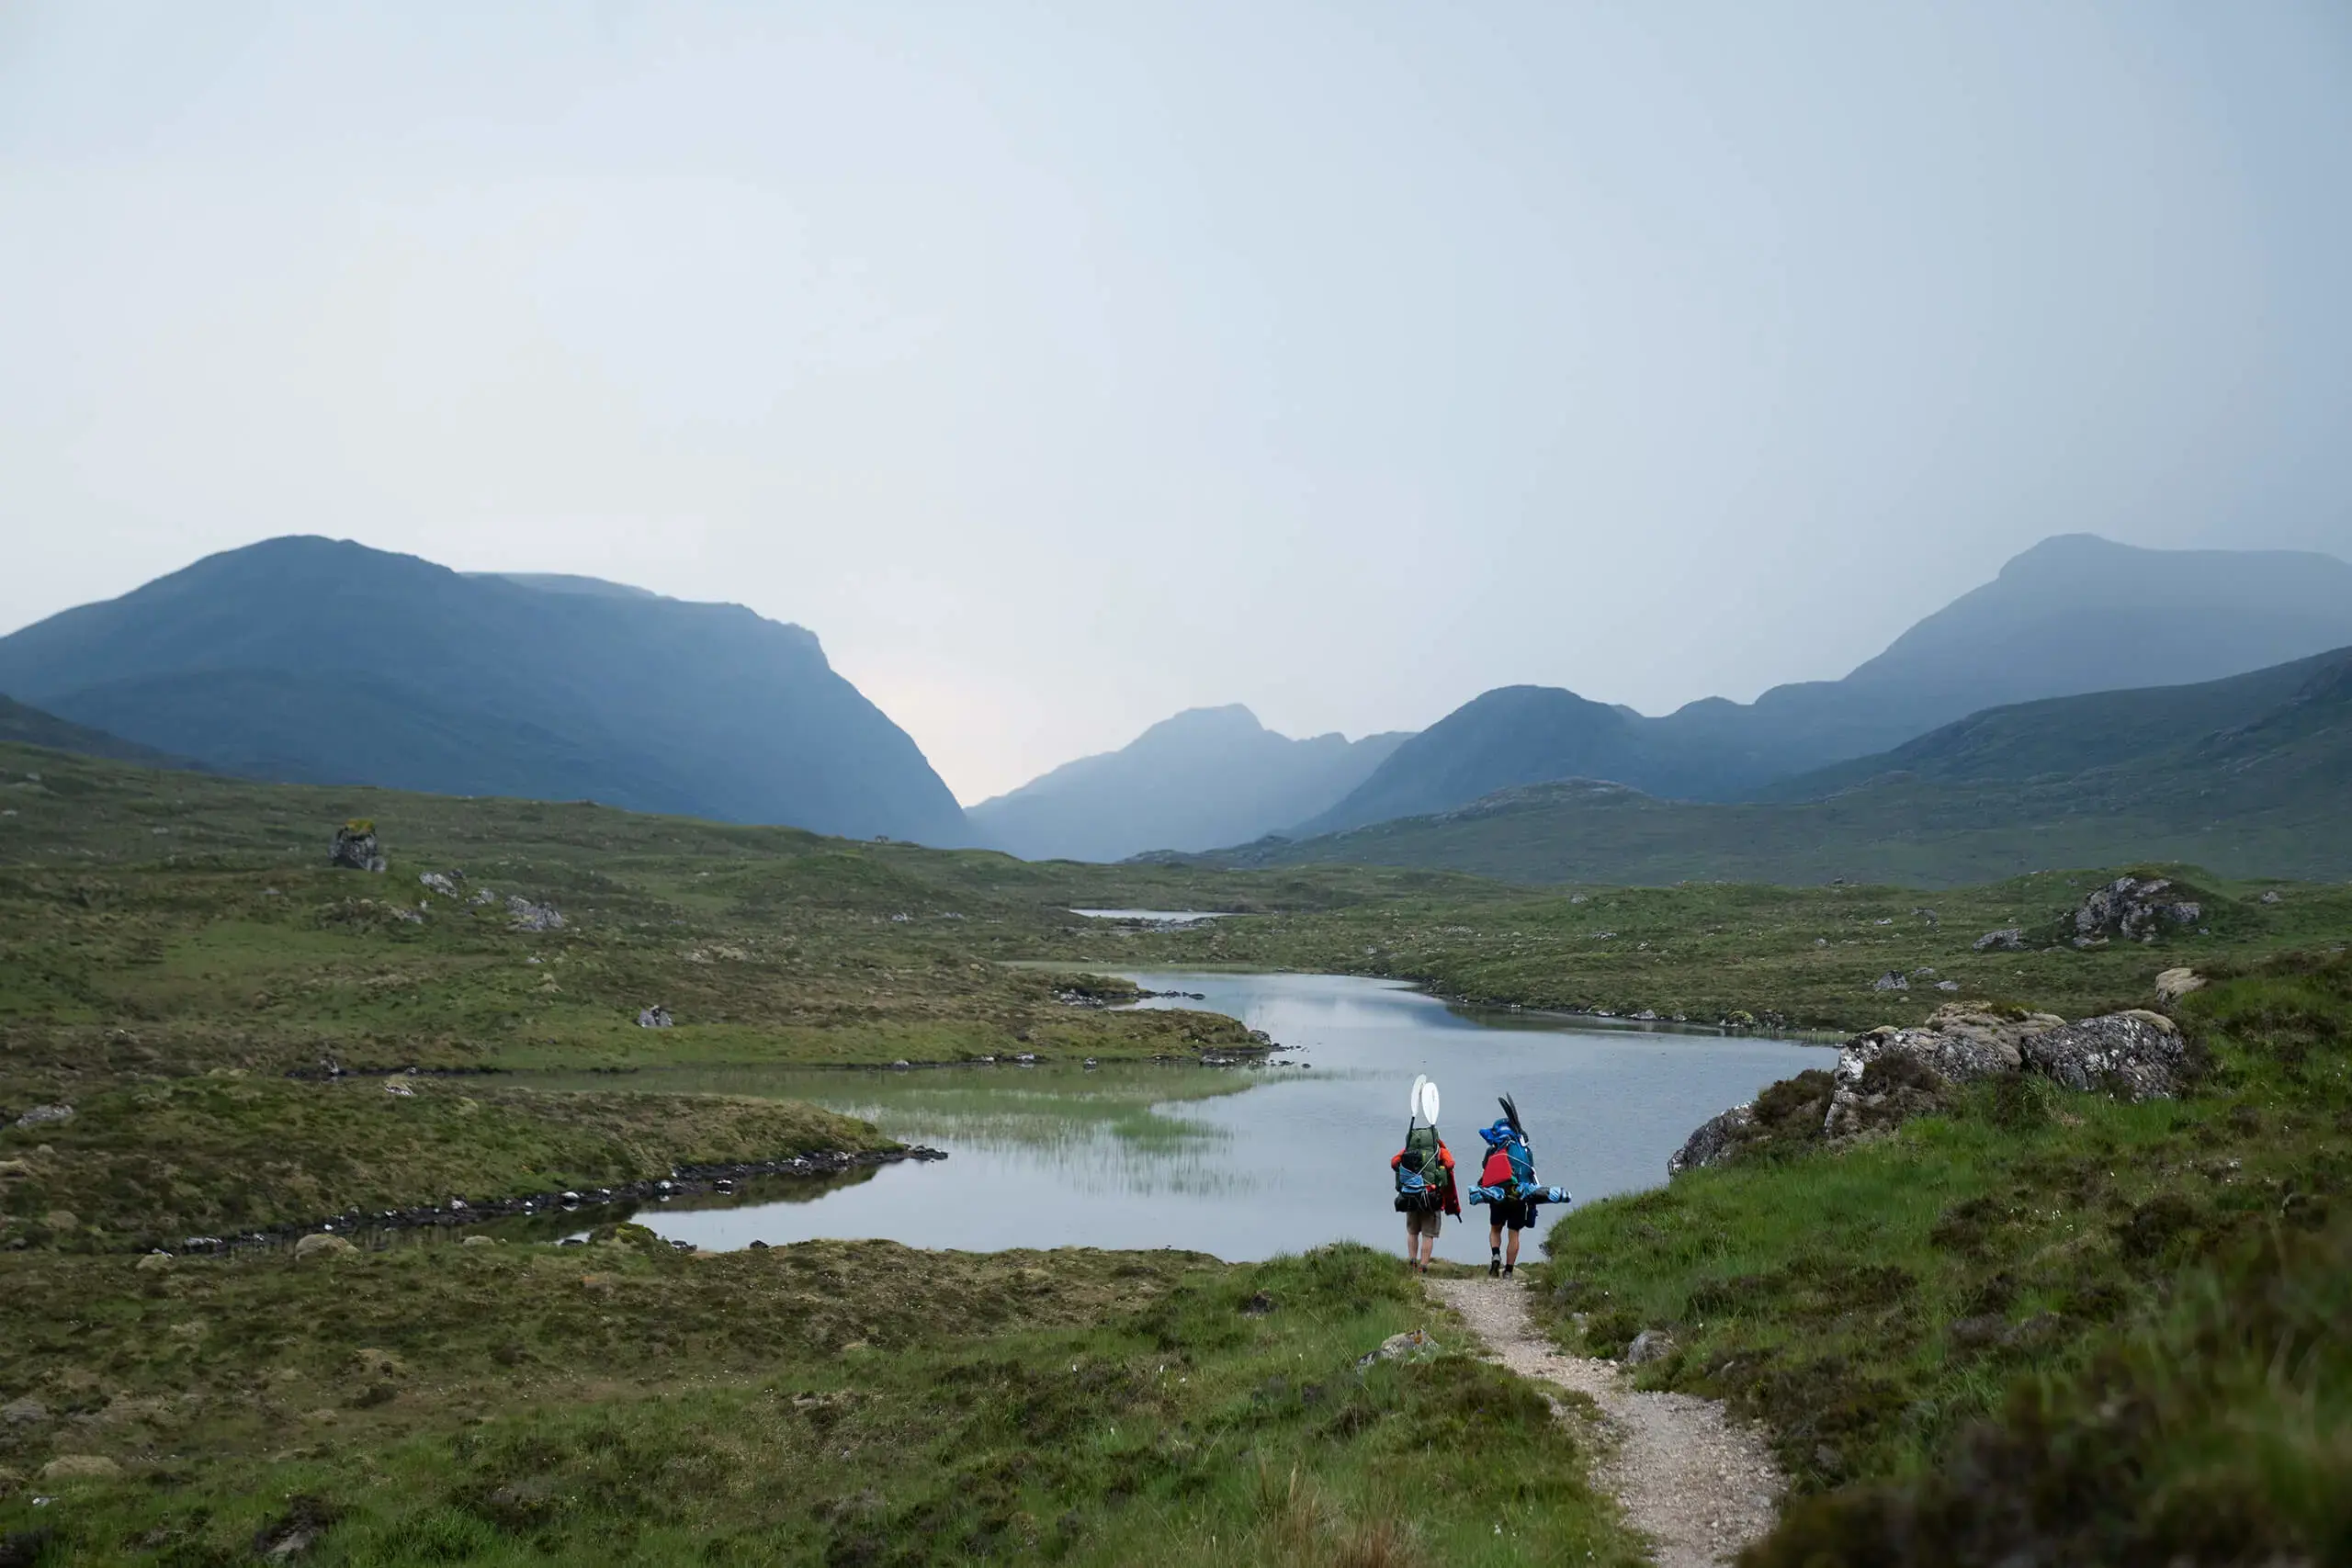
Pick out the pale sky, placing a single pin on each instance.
(1063, 367)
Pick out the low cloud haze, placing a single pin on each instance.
(1062, 370)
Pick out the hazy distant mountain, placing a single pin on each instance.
(30, 727)
(1207, 776)
(2073, 615)
(2247, 776)
(1517, 735)
(313, 660)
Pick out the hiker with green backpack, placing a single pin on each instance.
(1426, 1193)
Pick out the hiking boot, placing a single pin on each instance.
(1506, 1268)
(1494, 1266)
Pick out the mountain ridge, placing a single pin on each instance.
(2071, 615)
(2247, 774)
(313, 660)
(1194, 780)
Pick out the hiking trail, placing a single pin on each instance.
(1698, 1486)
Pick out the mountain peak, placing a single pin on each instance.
(1230, 720)
(317, 659)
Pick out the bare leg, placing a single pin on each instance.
(1511, 1258)
(1412, 1239)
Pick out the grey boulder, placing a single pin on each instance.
(2133, 1055)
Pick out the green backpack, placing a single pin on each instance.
(1421, 1178)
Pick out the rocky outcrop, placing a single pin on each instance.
(2133, 1056)
(1886, 1076)
(1788, 1113)
(655, 1017)
(42, 1115)
(526, 916)
(2009, 938)
(2133, 909)
(1717, 1139)
(354, 847)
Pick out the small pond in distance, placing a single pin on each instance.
(1240, 1162)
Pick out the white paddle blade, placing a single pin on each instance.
(1428, 1103)
(1413, 1104)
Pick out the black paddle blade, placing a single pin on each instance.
(1511, 1115)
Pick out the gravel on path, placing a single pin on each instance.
(1700, 1487)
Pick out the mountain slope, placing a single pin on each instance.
(1205, 777)
(318, 660)
(30, 727)
(2074, 614)
(2248, 776)
(1517, 735)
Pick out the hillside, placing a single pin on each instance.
(2247, 776)
(25, 726)
(1517, 735)
(2073, 615)
(1205, 777)
(317, 661)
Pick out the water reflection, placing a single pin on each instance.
(1243, 1163)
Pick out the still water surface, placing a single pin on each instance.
(1243, 1163)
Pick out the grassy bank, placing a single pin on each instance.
(1794, 956)
(819, 1404)
(2050, 1325)
(153, 1163)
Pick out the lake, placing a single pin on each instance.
(1243, 1163)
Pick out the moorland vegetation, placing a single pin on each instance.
(1965, 1319)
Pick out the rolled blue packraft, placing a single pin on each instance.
(1533, 1195)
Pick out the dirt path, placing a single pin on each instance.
(1698, 1487)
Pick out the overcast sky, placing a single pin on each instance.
(1062, 367)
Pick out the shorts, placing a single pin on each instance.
(1518, 1213)
(1424, 1221)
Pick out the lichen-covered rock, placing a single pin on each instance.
(1892, 980)
(2009, 938)
(1649, 1344)
(1957, 1042)
(354, 847)
(1413, 1345)
(655, 1017)
(2133, 1055)
(1717, 1139)
(442, 882)
(1788, 1114)
(1886, 1076)
(2134, 908)
(526, 916)
(41, 1115)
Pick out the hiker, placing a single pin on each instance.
(1507, 1185)
(1426, 1191)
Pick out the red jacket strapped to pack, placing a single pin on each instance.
(1453, 1188)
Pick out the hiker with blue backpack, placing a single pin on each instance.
(1507, 1185)
(1425, 1186)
